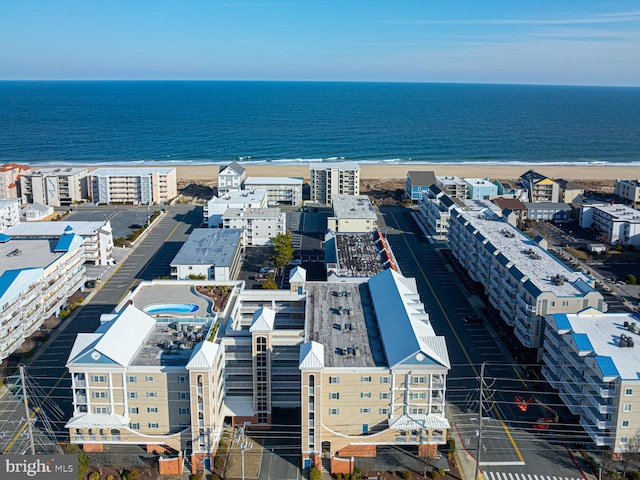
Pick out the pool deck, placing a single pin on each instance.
(168, 294)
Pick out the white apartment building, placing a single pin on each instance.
(279, 189)
(328, 180)
(231, 177)
(37, 276)
(10, 179)
(523, 281)
(213, 254)
(258, 225)
(215, 208)
(628, 190)
(97, 237)
(138, 186)
(620, 223)
(54, 186)
(174, 363)
(590, 357)
(353, 214)
(453, 186)
(435, 206)
(9, 213)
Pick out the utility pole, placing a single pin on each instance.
(480, 413)
(26, 409)
(243, 445)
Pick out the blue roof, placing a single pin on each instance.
(64, 242)
(4, 238)
(562, 321)
(13, 282)
(607, 366)
(582, 342)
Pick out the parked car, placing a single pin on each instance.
(471, 318)
(267, 270)
(296, 261)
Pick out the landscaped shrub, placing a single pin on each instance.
(633, 475)
(406, 475)
(94, 476)
(196, 476)
(631, 279)
(315, 474)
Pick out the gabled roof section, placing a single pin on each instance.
(298, 275)
(562, 322)
(402, 320)
(582, 343)
(81, 345)
(4, 238)
(203, 356)
(12, 282)
(68, 241)
(607, 367)
(234, 166)
(311, 356)
(263, 320)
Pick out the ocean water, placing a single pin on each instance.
(300, 122)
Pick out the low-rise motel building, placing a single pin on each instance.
(590, 357)
(37, 276)
(137, 186)
(523, 280)
(179, 359)
(353, 214)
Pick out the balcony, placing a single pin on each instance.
(598, 388)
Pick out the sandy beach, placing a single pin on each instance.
(207, 173)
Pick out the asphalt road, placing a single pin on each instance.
(510, 445)
(149, 260)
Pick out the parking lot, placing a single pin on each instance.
(125, 219)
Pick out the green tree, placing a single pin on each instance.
(631, 279)
(282, 250)
(270, 283)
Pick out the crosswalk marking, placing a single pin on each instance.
(491, 475)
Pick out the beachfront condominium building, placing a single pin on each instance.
(619, 223)
(231, 177)
(628, 190)
(590, 357)
(10, 179)
(55, 187)
(539, 187)
(481, 188)
(435, 208)
(179, 359)
(258, 225)
(279, 189)
(328, 180)
(522, 280)
(37, 276)
(97, 237)
(570, 192)
(9, 213)
(215, 208)
(453, 186)
(210, 254)
(353, 214)
(418, 181)
(137, 186)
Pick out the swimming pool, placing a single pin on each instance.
(171, 308)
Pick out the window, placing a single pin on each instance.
(152, 409)
(625, 424)
(334, 396)
(133, 410)
(183, 411)
(418, 395)
(365, 410)
(182, 379)
(553, 304)
(98, 394)
(148, 378)
(153, 425)
(384, 411)
(565, 303)
(134, 426)
(624, 440)
(334, 411)
(183, 395)
(133, 394)
(152, 394)
(365, 379)
(101, 410)
(384, 379)
(98, 378)
(132, 379)
(417, 411)
(365, 394)
(626, 407)
(628, 391)
(334, 379)
(419, 380)
(384, 396)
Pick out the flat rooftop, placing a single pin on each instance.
(241, 196)
(28, 229)
(148, 295)
(358, 254)
(604, 331)
(479, 182)
(339, 166)
(131, 172)
(273, 181)
(170, 344)
(451, 181)
(62, 171)
(17, 254)
(619, 212)
(209, 246)
(531, 259)
(267, 212)
(341, 317)
(352, 206)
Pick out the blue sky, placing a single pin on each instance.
(579, 42)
